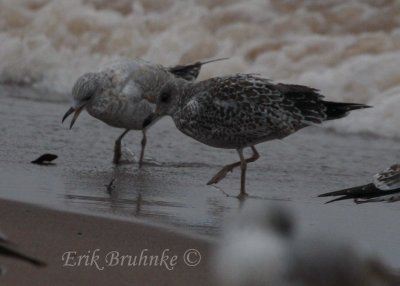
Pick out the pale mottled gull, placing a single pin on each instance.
(385, 187)
(123, 94)
(264, 246)
(239, 111)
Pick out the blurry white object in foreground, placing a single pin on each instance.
(261, 247)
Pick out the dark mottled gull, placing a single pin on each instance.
(123, 94)
(385, 187)
(243, 110)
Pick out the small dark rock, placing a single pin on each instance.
(45, 159)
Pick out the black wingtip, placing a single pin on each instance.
(33, 261)
(213, 60)
(190, 72)
(360, 106)
(344, 192)
(10, 251)
(336, 110)
(338, 199)
(38, 263)
(325, 195)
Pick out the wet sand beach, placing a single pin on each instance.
(59, 238)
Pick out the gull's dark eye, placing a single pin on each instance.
(165, 97)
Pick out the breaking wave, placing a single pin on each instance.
(350, 50)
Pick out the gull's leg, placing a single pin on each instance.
(143, 143)
(117, 147)
(243, 168)
(229, 168)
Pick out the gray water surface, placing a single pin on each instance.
(293, 171)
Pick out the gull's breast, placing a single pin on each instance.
(121, 111)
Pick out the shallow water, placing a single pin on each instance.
(347, 49)
(293, 171)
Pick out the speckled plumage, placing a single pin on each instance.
(123, 93)
(240, 111)
(243, 110)
(385, 187)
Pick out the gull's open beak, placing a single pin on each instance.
(152, 118)
(70, 111)
(149, 120)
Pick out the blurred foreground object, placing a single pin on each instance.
(8, 249)
(261, 247)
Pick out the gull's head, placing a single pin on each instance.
(166, 104)
(82, 92)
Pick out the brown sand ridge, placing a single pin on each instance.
(48, 234)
